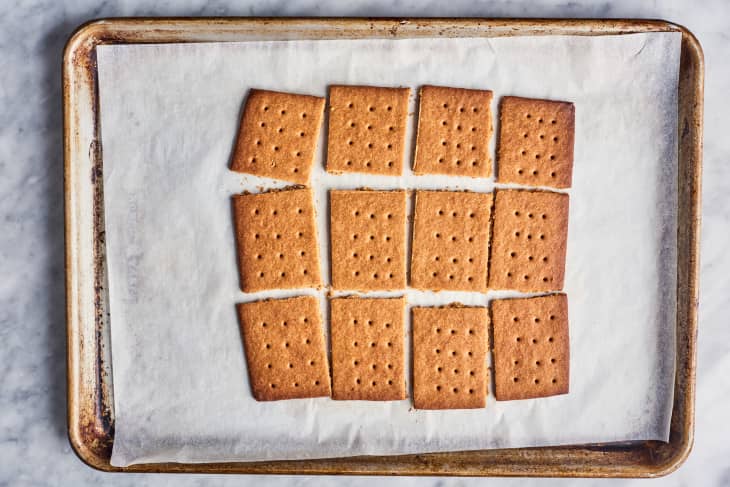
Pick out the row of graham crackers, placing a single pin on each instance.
(286, 354)
(278, 242)
(367, 129)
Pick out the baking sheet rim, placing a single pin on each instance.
(89, 386)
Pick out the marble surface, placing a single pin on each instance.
(34, 449)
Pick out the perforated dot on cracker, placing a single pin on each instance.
(531, 347)
(368, 234)
(278, 135)
(450, 240)
(285, 348)
(367, 128)
(529, 242)
(277, 240)
(449, 357)
(535, 146)
(367, 337)
(454, 130)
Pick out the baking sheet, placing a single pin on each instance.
(169, 114)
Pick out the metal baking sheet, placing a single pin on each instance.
(90, 388)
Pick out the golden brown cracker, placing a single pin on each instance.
(367, 128)
(450, 240)
(536, 139)
(368, 360)
(449, 357)
(368, 233)
(285, 348)
(529, 242)
(531, 347)
(278, 135)
(277, 240)
(454, 130)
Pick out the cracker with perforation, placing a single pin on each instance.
(536, 139)
(450, 240)
(449, 357)
(278, 135)
(368, 239)
(368, 359)
(531, 347)
(367, 129)
(285, 348)
(529, 242)
(277, 240)
(454, 130)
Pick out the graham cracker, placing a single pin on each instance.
(367, 129)
(536, 139)
(451, 240)
(454, 129)
(529, 241)
(368, 359)
(285, 349)
(277, 240)
(368, 234)
(531, 347)
(449, 357)
(278, 135)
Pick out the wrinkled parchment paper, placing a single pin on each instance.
(169, 116)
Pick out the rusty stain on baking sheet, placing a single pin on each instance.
(90, 389)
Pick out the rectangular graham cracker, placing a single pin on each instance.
(278, 135)
(536, 139)
(449, 357)
(277, 240)
(454, 130)
(285, 349)
(530, 232)
(368, 359)
(531, 347)
(367, 129)
(368, 239)
(451, 240)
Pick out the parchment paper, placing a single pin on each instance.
(169, 116)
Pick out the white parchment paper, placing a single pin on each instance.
(169, 116)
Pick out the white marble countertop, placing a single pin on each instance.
(34, 449)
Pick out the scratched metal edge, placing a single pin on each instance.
(90, 407)
(89, 411)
